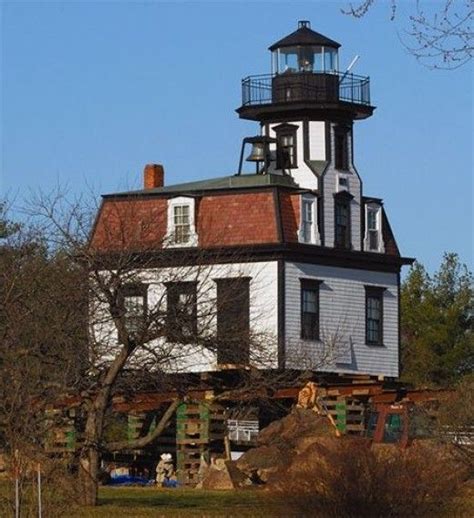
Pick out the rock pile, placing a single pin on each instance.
(281, 445)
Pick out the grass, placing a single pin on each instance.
(131, 502)
(138, 502)
(144, 502)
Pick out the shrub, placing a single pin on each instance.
(349, 478)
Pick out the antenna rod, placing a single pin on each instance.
(352, 63)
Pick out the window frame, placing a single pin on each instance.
(184, 225)
(374, 292)
(284, 131)
(174, 330)
(312, 285)
(341, 148)
(343, 199)
(136, 290)
(372, 207)
(173, 203)
(312, 200)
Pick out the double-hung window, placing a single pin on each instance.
(307, 220)
(182, 226)
(310, 309)
(181, 317)
(134, 303)
(373, 240)
(308, 231)
(374, 315)
(181, 222)
(372, 229)
(286, 146)
(342, 220)
(286, 152)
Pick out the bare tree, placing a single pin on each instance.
(107, 321)
(439, 35)
(135, 329)
(42, 346)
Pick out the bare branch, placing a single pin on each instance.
(150, 437)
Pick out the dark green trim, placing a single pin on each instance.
(378, 293)
(278, 220)
(281, 314)
(297, 252)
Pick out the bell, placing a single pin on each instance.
(258, 152)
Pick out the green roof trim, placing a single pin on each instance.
(226, 182)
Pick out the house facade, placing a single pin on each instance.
(289, 267)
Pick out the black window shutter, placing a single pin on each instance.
(233, 320)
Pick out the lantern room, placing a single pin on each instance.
(305, 51)
(306, 77)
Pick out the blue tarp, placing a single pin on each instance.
(128, 480)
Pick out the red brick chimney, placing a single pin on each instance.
(153, 176)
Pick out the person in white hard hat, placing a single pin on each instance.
(164, 469)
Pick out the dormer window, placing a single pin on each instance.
(372, 229)
(308, 231)
(286, 146)
(181, 225)
(341, 148)
(373, 241)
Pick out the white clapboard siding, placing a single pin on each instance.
(342, 320)
(302, 175)
(190, 358)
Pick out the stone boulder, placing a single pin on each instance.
(282, 441)
(223, 474)
(296, 425)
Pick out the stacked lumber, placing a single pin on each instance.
(347, 413)
(62, 437)
(198, 427)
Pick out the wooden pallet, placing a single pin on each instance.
(198, 424)
(348, 413)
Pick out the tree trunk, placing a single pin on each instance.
(89, 459)
(88, 476)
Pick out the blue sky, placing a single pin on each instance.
(91, 91)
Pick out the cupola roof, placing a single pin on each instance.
(304, 35)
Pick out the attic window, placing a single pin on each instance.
(308, 231)
(181, 222)
(373, 240)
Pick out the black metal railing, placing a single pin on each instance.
(305, 86)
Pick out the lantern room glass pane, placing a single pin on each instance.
(288, 61)
(330, 61)
(304, 58)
